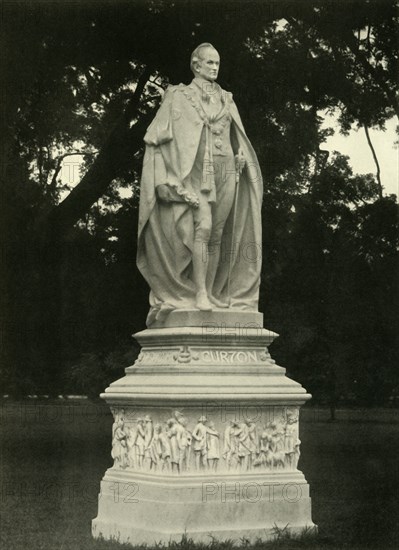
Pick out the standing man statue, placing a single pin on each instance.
(199, 240)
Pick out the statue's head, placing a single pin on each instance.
(205, 61)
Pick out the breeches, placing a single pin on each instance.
(210, 217)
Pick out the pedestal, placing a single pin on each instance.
(205, 436)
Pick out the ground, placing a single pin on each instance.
(53, 455)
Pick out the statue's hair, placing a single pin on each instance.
(196, 55)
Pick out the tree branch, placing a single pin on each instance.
(372, 72)
(121, 144)
(375, 160)
(134, 102)
(360, 56)
(57, 170)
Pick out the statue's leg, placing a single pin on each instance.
(225, 190)
(202, 231)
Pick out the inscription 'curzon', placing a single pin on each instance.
(229, 356)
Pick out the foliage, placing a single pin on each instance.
(93, 371)
(332, 270)
(89, 80)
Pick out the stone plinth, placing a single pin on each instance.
(205, 437)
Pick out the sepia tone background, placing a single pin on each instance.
(82, 81)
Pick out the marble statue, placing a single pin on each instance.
(291, 441)
(119, 442)
(212, 446)
(167, 446)
(231, 444)
(253, 446)
(131, 437)
(148, 435)
(244, 446)
(173, 445)
(176, 449)
(184, 441)
(140, 442)
(181, 438)
(179, 442)
(200, 443)
(199, 238)
(155, 449)
(265, 456)
(160, 450)
(277, 445)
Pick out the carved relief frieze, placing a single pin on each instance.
(177, 445)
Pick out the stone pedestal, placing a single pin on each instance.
(205, 436)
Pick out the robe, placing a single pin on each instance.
(166, 230)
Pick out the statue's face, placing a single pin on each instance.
(208, 65)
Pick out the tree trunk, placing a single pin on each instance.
(116, 152)
(50, 236)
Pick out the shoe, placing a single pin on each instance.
(217, 302)
(202, 302)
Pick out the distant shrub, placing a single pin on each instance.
(93, 372)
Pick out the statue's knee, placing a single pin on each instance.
(203, 231)
(203, 234)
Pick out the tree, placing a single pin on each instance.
(89, 81)
(336, 267)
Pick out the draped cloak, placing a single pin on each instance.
(166, 230)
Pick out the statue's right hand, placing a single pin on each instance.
(164, 193)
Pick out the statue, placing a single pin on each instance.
(199, 238)
(180, 442)
(252, 442)
(131, 446)
(200, 443)
(184, 441)
(231, 444)
(291, 441)
(213, 446)
(140, 442)
(265, 457)
(244, 446)
(155, 449)
(173, 445)
(149, 432)
(277, 445)
(119, 444)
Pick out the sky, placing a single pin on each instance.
(355, 146)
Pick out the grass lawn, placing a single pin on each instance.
(53, 455)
